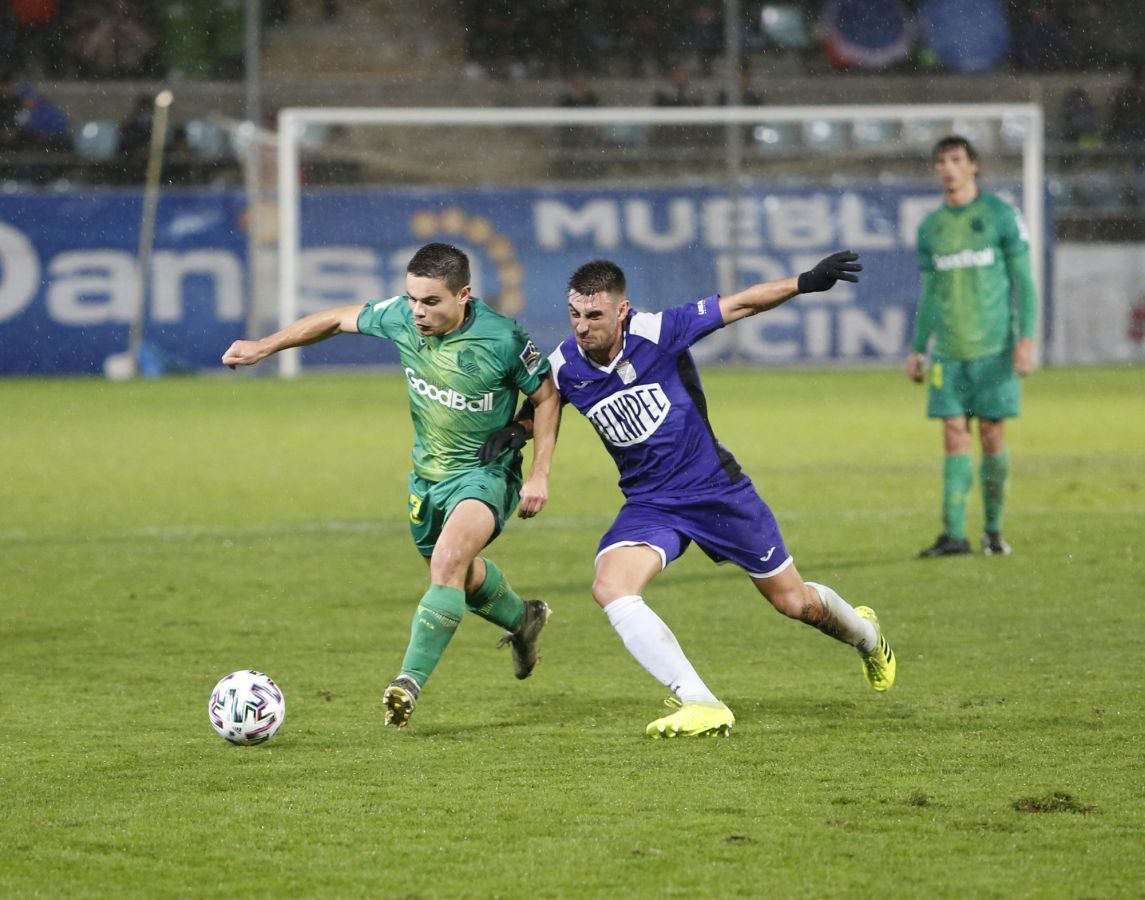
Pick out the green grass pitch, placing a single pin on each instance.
(157, 535)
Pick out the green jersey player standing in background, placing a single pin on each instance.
(979, 304)
(464, 366)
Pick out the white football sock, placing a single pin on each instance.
(654, 646)
(843, 623)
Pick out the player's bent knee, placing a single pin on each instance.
(790, 601)
(790, 604)
(604, 590)
(449, 565)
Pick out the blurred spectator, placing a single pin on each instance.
(42, 124)
(228, 38)
(278, 12)
(185, 40)
(112, 39)
(135, 140)
(35, 36)
(1042, 42)
(502, 38)
(275, 12)
(1079, 119)
(10, 108)
(861, 34)
(338, 163)
(1107, 34)
(179, 166)
(703, 38)
(639, 44)
(748, 96)
(577, 93)
(1088, 28)
(678, 92)
(1127, 109)
(203, 40)
(8, 43)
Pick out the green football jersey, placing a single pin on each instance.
(972, 258)
(462, 386)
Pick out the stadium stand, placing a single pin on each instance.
(391, 53)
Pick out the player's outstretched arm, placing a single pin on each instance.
(308, 330)
(546, 420)
(841, 266)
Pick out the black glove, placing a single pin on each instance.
(511, 437)
(839, 266)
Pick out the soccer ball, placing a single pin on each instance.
(246, 707)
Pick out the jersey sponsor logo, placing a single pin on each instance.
(448, 397)
(626, 371)
(770, 550)
(964, 259)
(531, 357)
(702, 307)
(631, 416)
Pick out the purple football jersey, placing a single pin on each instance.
(648, 406)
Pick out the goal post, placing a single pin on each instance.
(1020, 124)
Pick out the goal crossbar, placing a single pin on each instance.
(292, 120)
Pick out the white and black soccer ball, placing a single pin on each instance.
(246, 707)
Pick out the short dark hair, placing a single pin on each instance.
(442, 261)
(953, 142)
(596, 276)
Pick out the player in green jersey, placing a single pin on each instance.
(464, 365)
(979, 305)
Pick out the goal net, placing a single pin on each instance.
(689, 201)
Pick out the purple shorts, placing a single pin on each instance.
(733, 525)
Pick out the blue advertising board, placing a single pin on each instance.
(69, 278)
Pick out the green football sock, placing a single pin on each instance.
(495, 601)
(438, 614)
(994, 473)
(957, 479)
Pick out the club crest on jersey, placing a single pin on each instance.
(631, 416)
(467, 362)
(531, 357)
(626, 371)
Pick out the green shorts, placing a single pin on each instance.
(986, 388)
(431, 502)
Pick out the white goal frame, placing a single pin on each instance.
(292, 122)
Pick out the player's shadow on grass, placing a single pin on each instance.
(866, 562)
(728, 573)
(572, 713)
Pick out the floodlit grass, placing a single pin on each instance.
(156, 535)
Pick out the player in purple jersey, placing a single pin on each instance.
(632, 375)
